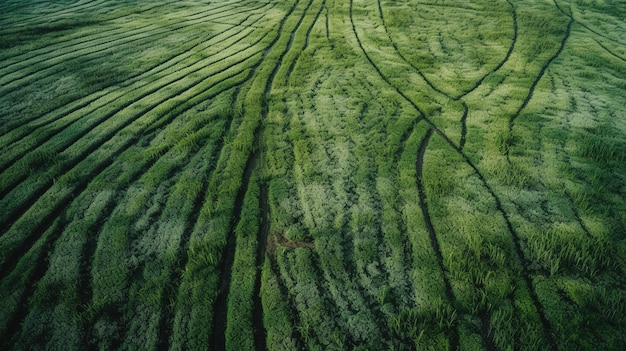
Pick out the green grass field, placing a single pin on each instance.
(313, 174)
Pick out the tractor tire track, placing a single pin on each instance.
(506, 58)
(537, 79)
(12, 328)
(463, 119)
(220, 310)
(610, 51)
(141, 82)
(260, 334)
(571, 17)
(306, 43)
(547, 328)
(168, 314)
(294, 315)
(454, 337)
(84, 282)
(13, 254)
(13, 82)
(65, 144)
(170, 179)
(142, 78)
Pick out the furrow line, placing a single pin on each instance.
(12, 255)
(454, 337)
(268, 86)
(539, 76)
(294, 315)
(396, 89)
(14, 321)
(193, 101)
(326, 24)
(27, 59)
(397, 50)
(61, 211)
(138, 78)
(407, 249)
(11, 83)
(547, 327)
(18, 79)
(229, 8)
(220, 312)
(576, 212)
(138, 30)
(59, 10)
(11, 157)
(485, 334)
(74, 41)
(610, 51)
(306, 44)
(48, 21)
(167, 317)
(463, 120)
(260, 334)
(66, 143)
(571, 16)
(172, 176)
(516, 240)
(463, 126)
(504, 60)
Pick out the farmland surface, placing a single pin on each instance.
(313, 174)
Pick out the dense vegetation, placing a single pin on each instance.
(313, 174)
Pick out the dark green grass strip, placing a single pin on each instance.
(167, 317)
(138, 77)
(64, 58)
(220, 312)
(548, 331)
(15, 210)
(12, 257)
(434, 241)
(533, 86)
(260, 334)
